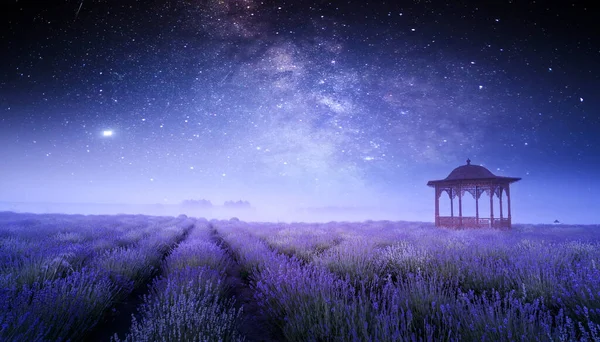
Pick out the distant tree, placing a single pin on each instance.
(197, 203)
(234, 219)
(239, 204)
(556, 221)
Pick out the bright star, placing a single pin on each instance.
(107, 133)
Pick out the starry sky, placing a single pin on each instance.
(299, 104)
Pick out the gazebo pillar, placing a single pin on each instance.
(476, 206)
(451, 205)
(500, 197)
(437, 205)
(491, 206)
(508, 204)
(460, 206)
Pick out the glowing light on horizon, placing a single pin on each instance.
(107, 133)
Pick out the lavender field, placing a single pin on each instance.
(143, 278)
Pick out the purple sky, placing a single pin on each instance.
(295, 104)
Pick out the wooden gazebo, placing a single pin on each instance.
(475, 180)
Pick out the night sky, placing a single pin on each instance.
(296, 104)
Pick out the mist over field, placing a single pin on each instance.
(275, 213)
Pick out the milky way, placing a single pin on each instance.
(298, 104)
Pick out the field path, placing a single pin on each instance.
(118, 319)
(254, 325)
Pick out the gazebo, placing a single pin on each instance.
(475, 180)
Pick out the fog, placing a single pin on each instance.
(269, 213)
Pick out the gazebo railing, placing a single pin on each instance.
(472, 222)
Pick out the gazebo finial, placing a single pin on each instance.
(468, 161)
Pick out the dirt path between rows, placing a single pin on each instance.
(118, 319)
(255, 327)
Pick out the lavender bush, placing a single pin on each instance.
(186, 306)
(59, 310)
(188, 302)
(60, 274)
(507, 285)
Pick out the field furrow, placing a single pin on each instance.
(143, 268)
(189, 301)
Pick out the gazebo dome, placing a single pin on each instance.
(470, 172)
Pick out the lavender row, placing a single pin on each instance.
(307, 303)
(189, 301)
(563, 274)
(412, 287)
(45, 247)
(562, 271)
(49, 297)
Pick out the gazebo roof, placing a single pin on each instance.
(471, 173)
